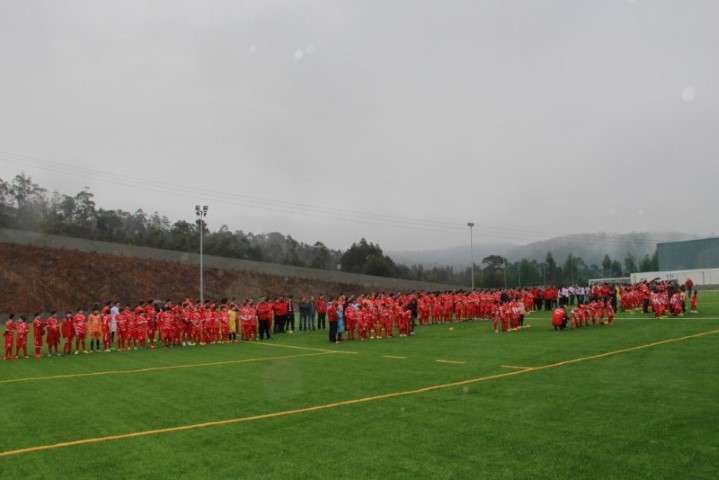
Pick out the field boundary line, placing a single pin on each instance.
(515, 367)
(692, 316)
(343, 403)
(453, 362)
(155, 369)
(297, 347)
(395, 357)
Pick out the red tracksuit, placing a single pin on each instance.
(38, 331)
(9, 336)
(53, 334)
(21, 340)
(68, 332)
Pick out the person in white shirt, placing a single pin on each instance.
(114, 312)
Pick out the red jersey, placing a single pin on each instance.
(38, 330)
(67, 328)
(558, 317)
(78, 323)
(264, 311)
(281, 308)
(21, 330)
(9, 329)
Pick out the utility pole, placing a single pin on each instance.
(471, 251)
(201, 213)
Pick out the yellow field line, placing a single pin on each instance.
(453, 362)
(295, 347)
(156, 369)
(650, 316)
(386, 396)
(396, 357)
(514, 367)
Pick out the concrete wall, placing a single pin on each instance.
(20, 237)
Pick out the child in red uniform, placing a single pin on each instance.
(21, 338)
(53, 334)
(9, 336)
(248, 321)
(610, 314)
(123, 329)
(694, 301)
(38, 332)
(559, 318)
(68, 333)
(78, 323)
(106, 334)
(141, 329)
(405, 317)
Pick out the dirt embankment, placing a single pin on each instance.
(43, 279)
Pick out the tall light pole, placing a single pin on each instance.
(201, 213)
(471, 251)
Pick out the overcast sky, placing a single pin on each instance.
(531, 118)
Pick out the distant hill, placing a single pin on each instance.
(590, 246)
(451, 256)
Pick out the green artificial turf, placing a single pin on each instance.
(650, 413)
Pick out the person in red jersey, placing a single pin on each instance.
(321, 309)
(264, 315)
(365, 322)
(610, 313)
(576, 317)
(68, 333)
(38, 332)
(21, 338)
(350, 319)
(405, 319)
(79, 323)
(9, 336)
(385, 327)
(132, 327)
(248, 321)
(141, 329)
(332, 318)
(123, 329)
(694, 301)
(559, 318)
(151, 315)
(281, 311)
(106, 331)
(53, 334)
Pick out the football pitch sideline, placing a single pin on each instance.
(634, 400)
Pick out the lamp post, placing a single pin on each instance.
(201, 213)
(471, 251)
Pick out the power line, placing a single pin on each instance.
(505, 232)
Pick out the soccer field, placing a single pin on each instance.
(635, 400)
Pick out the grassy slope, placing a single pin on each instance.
(646, 414)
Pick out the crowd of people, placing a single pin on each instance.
(367, 317)
(659, 297)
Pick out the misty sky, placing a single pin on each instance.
(532, 118)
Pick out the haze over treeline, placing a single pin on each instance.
(26, 205)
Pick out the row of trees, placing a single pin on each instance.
(27, 206)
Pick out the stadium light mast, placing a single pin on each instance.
(471, 250)
(201, 213)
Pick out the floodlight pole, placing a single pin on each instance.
(201, 214)
(471, 251)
